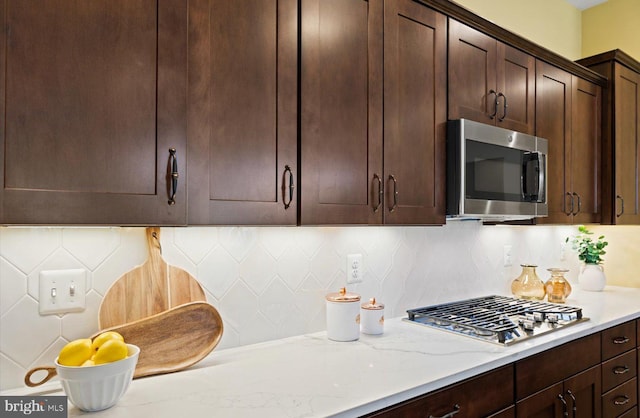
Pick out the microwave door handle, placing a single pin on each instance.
(538, 159)
(542, 177)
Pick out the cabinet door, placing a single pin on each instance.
(242, 111)
(341, 111)
(582, 393)
(472, 74)
(94, 96)
(627, 145)
(516, 77)
(415, 113)
(553, 122)
(543, 404)
(585, 151)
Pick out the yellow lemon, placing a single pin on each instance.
(104, 337)
(110, 350)
(76, 352)
(88, 363)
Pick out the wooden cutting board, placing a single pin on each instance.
(169, 341)
(175, 339)
(149, 289)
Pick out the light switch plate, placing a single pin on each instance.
(62, 291)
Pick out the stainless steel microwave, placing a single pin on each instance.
(495, 174)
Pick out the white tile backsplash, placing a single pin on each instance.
(268, 282)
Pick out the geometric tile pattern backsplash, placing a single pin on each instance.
(266, 282)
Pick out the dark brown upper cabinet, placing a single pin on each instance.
(415, 91)
(341, 111)
(243, 112)
(93, 97)
(620, 136)
(568, 116)
(347, 175)
(489, 81)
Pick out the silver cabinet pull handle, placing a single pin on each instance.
(565, 412)
(173, 176)
(380, 192)
(495, 104)
(620, 340)
(574, 406)
(284, 187)
(620, 369)
(621, 400)
(456, 409)
(395, 193)
(619, 214)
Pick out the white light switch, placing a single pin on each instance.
(62, 291)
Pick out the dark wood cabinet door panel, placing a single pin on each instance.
(472, 74)
(415, 113)
(583, 393)
(553, 122)
(94, 98)
(341, 110)
(627, 145)
(516, 77)
(242, 117)
(543, 404)
(585, 151)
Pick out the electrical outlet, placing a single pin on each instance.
(507, 256)
(355, 269)
(62, 291)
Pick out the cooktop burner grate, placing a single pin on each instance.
(498, 318)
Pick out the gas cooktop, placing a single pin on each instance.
(498, 319)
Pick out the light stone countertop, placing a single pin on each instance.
(311, 376)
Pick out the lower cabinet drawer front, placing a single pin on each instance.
(477, 397)
(618, 370)
(632, 413)
(620, 399)
(549, 367)
(618, 339)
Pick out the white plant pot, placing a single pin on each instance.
(592, 278)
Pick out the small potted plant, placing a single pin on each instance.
(590, 251)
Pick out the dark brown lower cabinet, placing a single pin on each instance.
(594, 376)
(490, 394)
(556, 381)
(577, 396)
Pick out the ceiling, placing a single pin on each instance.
(585, 4)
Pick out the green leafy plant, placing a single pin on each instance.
(589, 250)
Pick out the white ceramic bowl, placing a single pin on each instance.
(95, 388)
